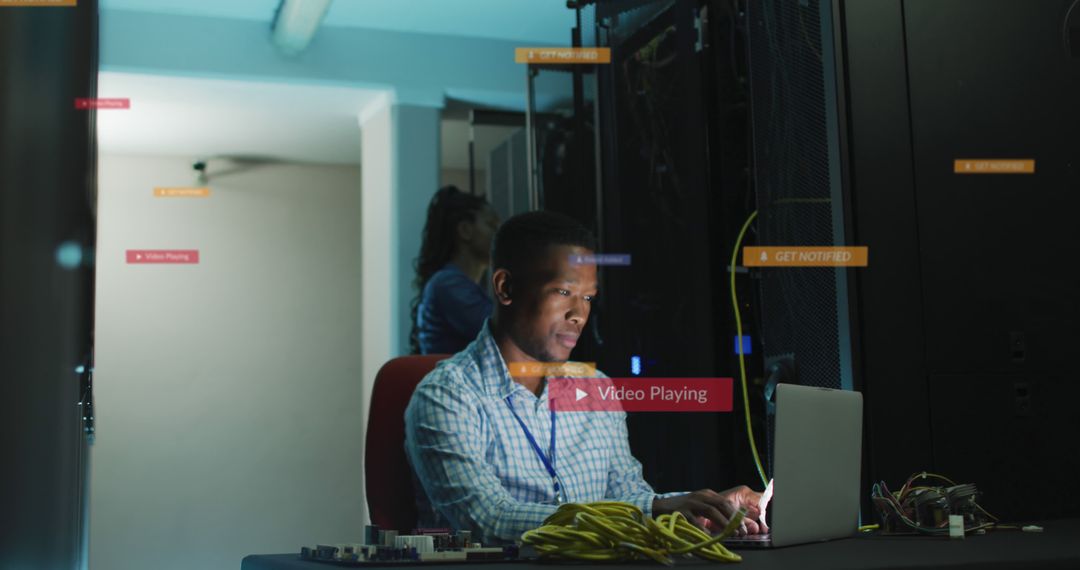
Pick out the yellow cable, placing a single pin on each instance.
(742, 361)
(613, 531)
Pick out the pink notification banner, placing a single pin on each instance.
(640, 394)
(103, 103)
(139, 256)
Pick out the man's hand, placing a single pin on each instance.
(711, 511)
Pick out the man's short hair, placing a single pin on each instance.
(525, 238)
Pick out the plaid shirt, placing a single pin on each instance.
(477, 471)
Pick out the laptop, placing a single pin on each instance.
(816, 467)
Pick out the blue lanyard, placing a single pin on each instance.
(548, 464)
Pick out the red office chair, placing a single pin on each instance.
(388, 476)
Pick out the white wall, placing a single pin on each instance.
(400, 154)
(228, 393)
(378, 292)
(417, 176)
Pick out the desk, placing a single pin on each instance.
(1057, 547)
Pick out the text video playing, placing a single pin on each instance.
(640, 394)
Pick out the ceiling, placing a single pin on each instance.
(546, 22)
(181, 114)
(208, 117)
(196, 117)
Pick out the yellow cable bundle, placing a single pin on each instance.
(613, 531)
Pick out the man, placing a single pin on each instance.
(488, 454)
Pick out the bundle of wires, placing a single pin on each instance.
(903, 505)
(613, 531)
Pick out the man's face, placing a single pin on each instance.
(553, 304)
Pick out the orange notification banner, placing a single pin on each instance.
(534, 368)
(561, 55)
(806, 256)
(181, 192)
(994, 166)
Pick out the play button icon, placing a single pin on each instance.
(580, 394)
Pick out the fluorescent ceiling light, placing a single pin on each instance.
(296, 22)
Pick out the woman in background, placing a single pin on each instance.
(451, 305)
